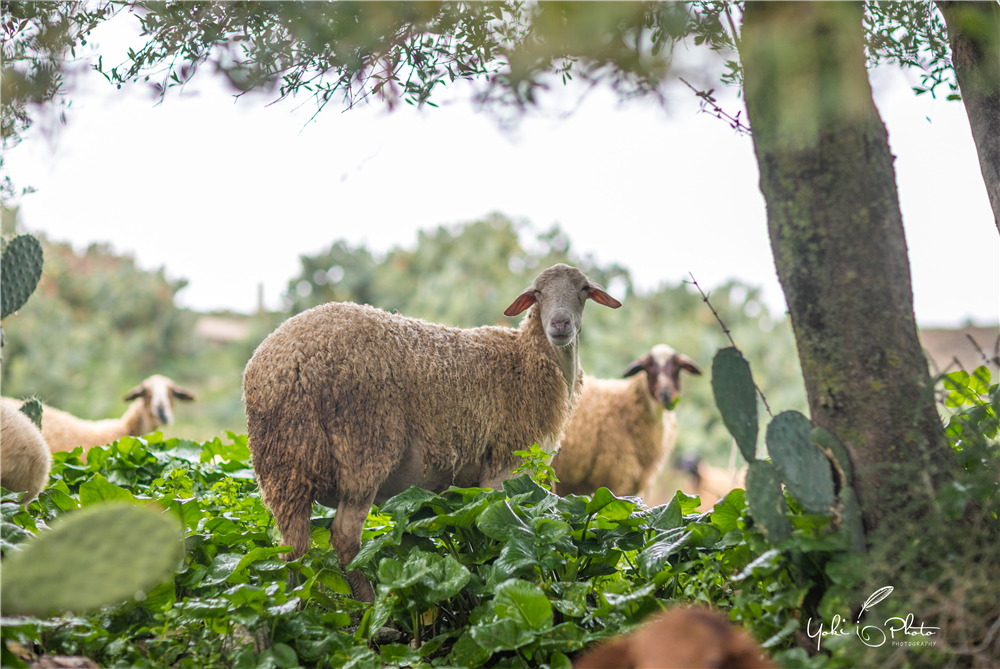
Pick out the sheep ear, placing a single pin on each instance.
(598, 294)
(182, 394)
(134, 394)
(636, 366)
(688, 364)
(523, 301)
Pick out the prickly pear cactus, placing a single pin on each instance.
(33, 409)
(803, 467)
(21, 268)
(850, 513)
(834, 450)
(736, 398)
(767, 502)
(104, 554)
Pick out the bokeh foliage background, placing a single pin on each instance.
(99, 324)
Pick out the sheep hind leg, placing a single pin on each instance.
(292, 514)
(345, 537)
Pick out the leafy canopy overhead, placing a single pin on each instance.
(349, 52)
(404, 51)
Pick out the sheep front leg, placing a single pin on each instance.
(345, 537)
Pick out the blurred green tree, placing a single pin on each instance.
(97, 326)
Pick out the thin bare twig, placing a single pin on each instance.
(995, 360)
(704, 298)
(708, 102)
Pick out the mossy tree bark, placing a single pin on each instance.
(974, 34)
(836, 230)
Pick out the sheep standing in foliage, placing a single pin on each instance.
(623, 429)
(153, 406)
(24, 456)
(349, 405)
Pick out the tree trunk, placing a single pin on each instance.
(974, 34)
(837, 236)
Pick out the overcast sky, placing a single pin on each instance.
(228, 194)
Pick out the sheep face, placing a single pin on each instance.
(561, 292)
(158, 394)
(663, 367)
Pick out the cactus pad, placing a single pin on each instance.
(833, 448)
(851, 520)
(767, 502)
(736, 398)
(803, 467)
(104, 554)
(21, 268)
(33, 409)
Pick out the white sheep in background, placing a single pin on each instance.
(153, 406)
(623, 429)
(349, 405)
(24, 456)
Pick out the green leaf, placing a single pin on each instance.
(790, 627)
(728, 511)
(397, 575)
(665, 516)
(566, 637)
(609, 506)
(99, 489)
(223, 566)
(652, 560)
(467, 652)
(502, 635)
(767, 563)
(500, 522)
(979, 382)
(407, 502)
(444, 579)
(573, 599)
(524, 603)
(399, 655)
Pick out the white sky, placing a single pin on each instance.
(228, 195)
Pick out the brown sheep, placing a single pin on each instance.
(24, 456)
(623, 429)
(683, 638)
(349, 405)
(153, 406)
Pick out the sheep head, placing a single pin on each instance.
(157, 394)
(663, 367)
(561, 292)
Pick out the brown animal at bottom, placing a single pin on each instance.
(688, 638)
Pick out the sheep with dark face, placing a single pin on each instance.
(152, 406)
(623, 429)
(349, 405)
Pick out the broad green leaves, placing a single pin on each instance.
(476, 577)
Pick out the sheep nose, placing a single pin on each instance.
(667, 398)
(162, 414)
(561, 325)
